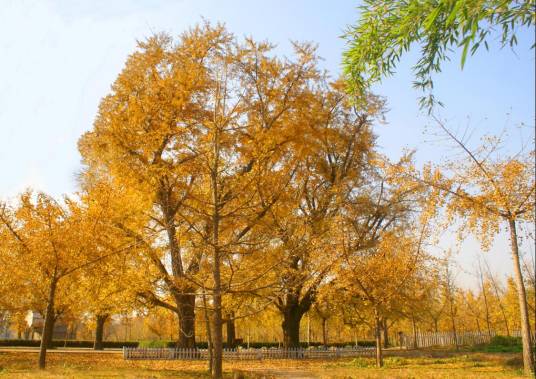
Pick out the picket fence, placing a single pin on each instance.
(445, 339)
(133, 353)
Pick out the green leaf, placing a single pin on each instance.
(464, 54)
(431, 18)
(452, 15)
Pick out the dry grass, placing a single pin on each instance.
(404, 365)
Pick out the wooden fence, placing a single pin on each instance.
(133, 353)
(445, 339)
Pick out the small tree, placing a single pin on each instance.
(382, 279)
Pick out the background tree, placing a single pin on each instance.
(336, 143)
(380, 278)
(489, 188)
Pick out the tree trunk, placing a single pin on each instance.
(308, 329)
(379, 354)
(99, 331)
(231, 330)
(414, 326)
(528, 362)
(50, 335)
(184, 296)
(209, 334)
(324, 332)
(291, 327)
(478, 326)
(501, 306)
(385, 334)
(482, 285)
(217, 367)
(186, 306)
(453, 325)
(48, 325)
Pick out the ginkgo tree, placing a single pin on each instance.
(46, 244)
(337, 143)
(379, 280)
(489, 190)
(204, 130)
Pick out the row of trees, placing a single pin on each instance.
(220, 180)
(491, 307)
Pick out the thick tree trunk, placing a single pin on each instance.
(184, 296)
(50, 335)
(48, 325)
(99, 331)
(291, 326)
(379, 353)
(186, 306)
(231, 330)
(528, 362)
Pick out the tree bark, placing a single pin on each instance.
(528, 359)
(217, 367)
(48, 325)
(50, 335)
(99, 331)
(231, 330)
(379, 353)
(184, 296)
(291, 326)
(186, 306)
(209, 334)
(414, 327)
(484, 294)
(385, 334)
(324, 332)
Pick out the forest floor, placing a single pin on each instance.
(398, 364)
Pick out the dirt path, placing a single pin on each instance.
(60, 350)
(275, 373)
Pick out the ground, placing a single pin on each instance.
(399, 364)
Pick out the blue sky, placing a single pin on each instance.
(58, 58)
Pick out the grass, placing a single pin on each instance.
(410, 364)
(501, 344)
(433, 365)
